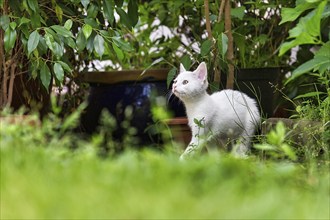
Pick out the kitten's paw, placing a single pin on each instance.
(182, 157)
(188, 153)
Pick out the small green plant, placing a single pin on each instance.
(314, 74)
(309, 84)
(276, 145)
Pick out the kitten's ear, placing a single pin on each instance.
(201, 71)
(182, 69)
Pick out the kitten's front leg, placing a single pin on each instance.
(190, 150)
(196, 144)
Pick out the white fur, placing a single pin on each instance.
(227, 117)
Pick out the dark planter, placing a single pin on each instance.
(117, 90)
(259, 83)
(180, 130)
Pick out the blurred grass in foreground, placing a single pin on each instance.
(48, 172)
(56, 183)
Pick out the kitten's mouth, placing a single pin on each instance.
(179, 94)
(176, 92)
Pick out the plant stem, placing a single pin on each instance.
(3, 66)
(207, 18)
(221, 10)
(230, 52)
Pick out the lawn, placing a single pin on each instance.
(55, 183)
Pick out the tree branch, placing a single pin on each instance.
(230, 52)
(3, 67)
(207, 18)
(221, 10)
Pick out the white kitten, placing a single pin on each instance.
(223, 118)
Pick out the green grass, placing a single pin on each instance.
(41, 178)
(50, 183)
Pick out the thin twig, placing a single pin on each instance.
(221, 10)
(230, 52)
(207, 18)
(11, 84)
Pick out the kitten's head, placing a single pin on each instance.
(189, 84)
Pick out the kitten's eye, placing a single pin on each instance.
(174, 81)
(184, 82)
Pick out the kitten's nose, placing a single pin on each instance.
(173, 88)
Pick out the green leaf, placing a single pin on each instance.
(61, 31)
(4, 22)
(59, 13)
(238, 12)
(118, 51)
(68, 24)
(42, 46)
(24, 20)
(99, 45)
(310, 94)
(123, 45)
(108, 11)
(33, 4)
(81, 41)
(307, 31)
(170, 76)
(85, 3)
(45, 75)
(53, 34)
(49, 40)
(92, 11)
(288, 151)
(58, 50)
(308, 66)
(324, 50)
(287, 46)
(72, 120)
(186, 61)
(70, 42)
(124, 18)
(90, 43)
(35, 20)
(291, 14)
(223, 44)
(240, 41)
(161, 59)
(206, 47)
(200, 123)
(13, 25)
(265, 147)
(87, 30)
(9, 39)
(59, 72)
(34, 68)
(277, 136)
(92, 22)
(33, 41)
(133, 12)
(65, 66)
